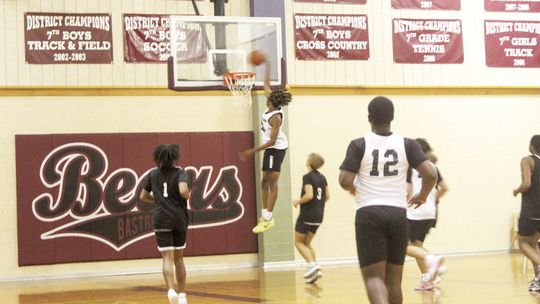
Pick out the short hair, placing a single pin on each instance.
(535, 142)
(426, 147)
(381, 110)
(315, 161)
(166, 155)
(280, 97)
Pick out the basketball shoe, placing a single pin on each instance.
(182, 298)
(311, 270)
(314, 277)
(173, 296)
(425, 283)
(535, 285)
(434, 262)
(263, 225)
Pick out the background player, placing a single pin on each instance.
(312, 202)
(421, 220)
(375, 169)
(275, 145)
(529, 217)
(170, 192)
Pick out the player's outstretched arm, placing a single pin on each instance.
(527, 165)
(267, 88)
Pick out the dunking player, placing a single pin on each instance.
(275, 145)
(312, 201)
(529, 218)
(170, 192)
(375, 171)
(422, 219)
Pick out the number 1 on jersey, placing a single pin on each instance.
(165, 194)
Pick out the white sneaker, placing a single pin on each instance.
(173, 296)
(314, 277)
(311, 270)
(182, 298)
(434, 262)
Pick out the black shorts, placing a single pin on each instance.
(273, 158)
(418, 229)
(528, 227)
(381, 235)
(171, 236)
(304, 228)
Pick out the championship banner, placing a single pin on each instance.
(512, 43)
(331, 37)
(334, 1)
(512, 6)
(428, 4)
(147, 39)
(427, 41)
(78, 195)
(52, 38)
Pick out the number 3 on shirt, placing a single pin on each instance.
(319, 193)
(391, 157)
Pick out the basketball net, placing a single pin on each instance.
(240, 85)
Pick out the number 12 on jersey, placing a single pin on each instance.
(390, 159)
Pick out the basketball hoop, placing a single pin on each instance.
(240, 84)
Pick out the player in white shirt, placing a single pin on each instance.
(375, 171)
(275, 145)
(421, 220)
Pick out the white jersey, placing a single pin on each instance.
(382, 178)
(266, 130)
(426, 211)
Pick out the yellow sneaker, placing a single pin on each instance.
(263, 225)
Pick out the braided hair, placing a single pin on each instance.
(280, 97)
(166, 155)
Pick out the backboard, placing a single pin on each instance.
(203, 48)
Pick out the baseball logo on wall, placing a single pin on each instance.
(78, 195)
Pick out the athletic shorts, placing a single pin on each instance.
(381, 235)
(171, 237)
(304, 228)
(272, 159)
(528, 227)
(418, 229)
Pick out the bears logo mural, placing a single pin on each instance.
(77, 200)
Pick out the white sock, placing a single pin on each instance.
(182, 295)
(268, 216)
(263, 213)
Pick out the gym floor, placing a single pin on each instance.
(494, 278)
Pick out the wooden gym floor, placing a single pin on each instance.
(493, 279)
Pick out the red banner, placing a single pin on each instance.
(428, 4)
(427, 41)
(52, 38)
(77, 195)
(512, 43)
(334, 1)
(331, 37)
(147, 39)
(512, 5)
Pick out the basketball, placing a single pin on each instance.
(257, 58)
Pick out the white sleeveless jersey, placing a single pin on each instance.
(426, 211)
(266, 130)
(382, 178)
